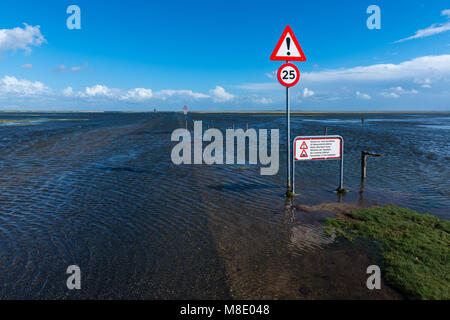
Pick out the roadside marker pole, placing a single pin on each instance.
(288, 49)
(288, 142)
(185, 115)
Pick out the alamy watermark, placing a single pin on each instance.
(190, 149)
(374, 20)
(374, 280)
(74, 280)
(74, 20)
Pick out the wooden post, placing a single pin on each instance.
(363, 165)
(326, 130)
(364, 155)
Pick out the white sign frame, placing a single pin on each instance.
(341, 158)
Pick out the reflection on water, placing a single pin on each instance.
(309, 236)
(103, 193)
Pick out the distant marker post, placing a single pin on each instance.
(185, 115)
(288, 49)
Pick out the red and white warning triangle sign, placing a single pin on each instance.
(288, 48)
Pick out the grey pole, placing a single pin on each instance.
(293, 169)
(364, 155)
(363, 165)
(341, 178)
(288, 119)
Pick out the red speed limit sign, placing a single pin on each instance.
(288, 75)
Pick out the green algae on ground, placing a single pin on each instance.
(416, 247)
(290, 194)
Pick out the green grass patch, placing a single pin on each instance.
(416, 247)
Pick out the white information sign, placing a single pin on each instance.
(318, 148)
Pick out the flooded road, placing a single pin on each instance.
(100, 191)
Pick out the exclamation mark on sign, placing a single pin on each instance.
(288, 43)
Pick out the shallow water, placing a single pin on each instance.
(101, 192)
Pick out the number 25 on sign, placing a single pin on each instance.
(288, 75)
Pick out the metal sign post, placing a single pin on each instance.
(319, 148)
(288, 142)
(288, 49)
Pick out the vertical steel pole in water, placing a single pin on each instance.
(293, 169)
(288, 144)
(341, 178)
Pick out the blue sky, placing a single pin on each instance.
(214, 55)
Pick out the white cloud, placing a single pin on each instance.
(190, 93)
(259, 86)
(68, 92)
(60, 68)
(12, 85)
(307, 93)
(422, 67)
(390, 95)
(431, 30)
(27, 66)
(21, 38)
(220, 95)
(98, 91)
(363, 96)
(135, 94)
(37, 93)
(401, 90)
(418, 68)
(396, 92)
(94, 91)
(138, 94)
(265, 100)
(260, 100)
(399, 81)
(425, 83)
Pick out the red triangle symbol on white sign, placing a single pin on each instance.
(288, 48)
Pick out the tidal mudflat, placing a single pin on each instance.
(101, 192)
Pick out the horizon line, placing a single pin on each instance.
(224, 111)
